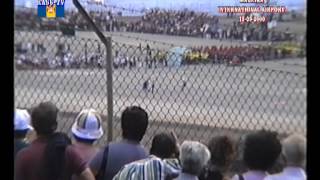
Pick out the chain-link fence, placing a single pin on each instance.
(194, 100)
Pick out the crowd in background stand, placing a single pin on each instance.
(186, 23)
(221, 54)
(33, 55)
(158, 21)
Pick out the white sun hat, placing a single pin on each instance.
(88, 125)
(22, 120)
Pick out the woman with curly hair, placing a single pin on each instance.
(222, 149)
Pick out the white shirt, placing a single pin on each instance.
(289, 173)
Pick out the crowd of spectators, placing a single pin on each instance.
(187, 23)
(25, 18)
(36, 55)
(225, 54)
(159, 21)
(190, 23)
(52, 155)
(32, 55)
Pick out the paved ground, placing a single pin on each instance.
(219, 96)
(163, 40)
(286, 65)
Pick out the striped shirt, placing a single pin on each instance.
(151, 168)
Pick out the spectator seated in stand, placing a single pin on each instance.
(50, 156)
(222, 150)
(162, 164)
(294, 152)
(193, 158)
(21, 128)
(261, 151)
(160, 21)
(134, 123)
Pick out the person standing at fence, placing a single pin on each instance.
(145, 85)
(21, 127)
(152, 87)
(222, 150)
(134, 123)
(220, 33)
(50, 156)
(294, 152)
(165, 146)
(193, 158)
(184, 85)
(261, 150)
(86, 129)
(162, 164)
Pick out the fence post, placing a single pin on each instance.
(109, 88)
(107, 42)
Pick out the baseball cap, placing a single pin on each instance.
(22, 120)
(88, 125)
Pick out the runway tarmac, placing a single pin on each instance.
(215, 95)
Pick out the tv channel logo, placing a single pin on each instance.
(51, 8)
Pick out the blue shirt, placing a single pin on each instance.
(120, 154)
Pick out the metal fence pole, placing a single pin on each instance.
(107, 42)
(109, 87)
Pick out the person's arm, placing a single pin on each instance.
(78, 166)
(177, 142)
(86, 175)
(96, 162)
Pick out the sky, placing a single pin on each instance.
(196, 5)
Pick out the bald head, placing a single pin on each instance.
(294, 150)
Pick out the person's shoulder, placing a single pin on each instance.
(235, 177)
(173, 162)
(130, 147)
(26, 153)
(72, 151)
(97, 149)
(23, 152)
(274, 177)
(143, 150)
(21, 144)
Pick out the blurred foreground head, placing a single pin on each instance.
(261, 150)
(294, 150)
(134, 123)
(22, 123)
(193, 157)
(222, 149)
(44, 118)
(164, 146)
